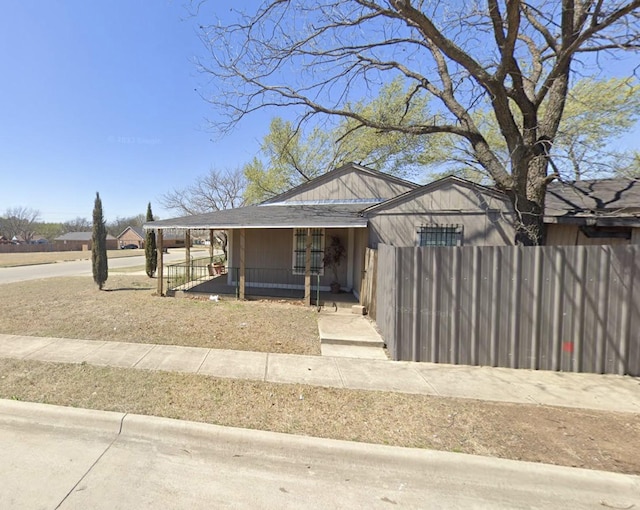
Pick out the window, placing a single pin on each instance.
(300, 249)
(440, 235)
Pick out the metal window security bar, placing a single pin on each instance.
(440, 235)
(317, 250)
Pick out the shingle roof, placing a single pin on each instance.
(619, 197)
(271, 216)
(137, 230)
(78, 236)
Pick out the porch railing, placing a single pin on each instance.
(184, 276)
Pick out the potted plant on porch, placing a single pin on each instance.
(333, 255)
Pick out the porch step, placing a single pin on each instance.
(327, 305)
(352, 351)
(348, 329)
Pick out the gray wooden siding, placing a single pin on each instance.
(269, 256)
(570, 308)
(353, 185)
(570, 235)
(479, 229)
(486, 219)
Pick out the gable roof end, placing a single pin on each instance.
(332, 174)
(409, 195)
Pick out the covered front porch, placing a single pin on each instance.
(276, 252)
(218, 286)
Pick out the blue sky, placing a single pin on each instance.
(100, 96)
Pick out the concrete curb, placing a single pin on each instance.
(30, 413)
(307, 448)
(304, 449)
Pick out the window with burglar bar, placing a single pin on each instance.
(440, 235)
(300, 250)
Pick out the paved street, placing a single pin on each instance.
(75, 267)
(57, 457)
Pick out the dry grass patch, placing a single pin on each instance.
(48, 257)
(128, 311)
(570, 437)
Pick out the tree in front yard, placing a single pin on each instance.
(99, 245)
(150, 252)
(516, 60)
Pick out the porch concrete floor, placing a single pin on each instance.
(219, 286)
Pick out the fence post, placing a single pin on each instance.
(416, 312)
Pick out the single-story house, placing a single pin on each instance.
(136, 235)
(81, 241)
(131, 235)
(281, 242)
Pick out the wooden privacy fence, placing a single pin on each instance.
(368, 286)
(569, 308)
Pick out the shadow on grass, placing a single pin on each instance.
(128, 288)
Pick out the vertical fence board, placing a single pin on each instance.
(555, 308)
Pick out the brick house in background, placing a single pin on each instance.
(131, 235)
(80, 241)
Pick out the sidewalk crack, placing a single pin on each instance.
(335, 362)
(135, 365)
(203, 360)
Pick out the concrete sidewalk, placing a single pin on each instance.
(588, 391)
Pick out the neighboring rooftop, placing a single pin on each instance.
(272, 216)
(620, 196)
(78, 236)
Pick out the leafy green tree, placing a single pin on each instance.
(150, 251)
(318, 57)
(49, 230)
(630, 167)
(597, 113)
(99, 245)
(290, 157)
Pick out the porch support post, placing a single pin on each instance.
(159, 269)
(350, 250)
(307, 269)
(187, 247)
(211, 239)
(242, 262)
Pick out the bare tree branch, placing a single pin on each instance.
(320, 57)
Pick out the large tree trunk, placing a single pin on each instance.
(528, 205)
(529, 221)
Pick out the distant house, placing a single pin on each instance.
(136, 235)
(81, 241)
(38, 239)
(131, 235)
